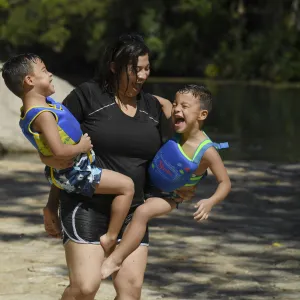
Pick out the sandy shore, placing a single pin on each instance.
(249, 249)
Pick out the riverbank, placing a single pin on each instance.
(248, 250)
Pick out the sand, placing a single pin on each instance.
(248, 249)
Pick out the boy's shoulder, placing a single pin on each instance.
(207, 148)
(52, 101)
(30, 112)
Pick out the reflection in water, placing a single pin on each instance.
(260, 123)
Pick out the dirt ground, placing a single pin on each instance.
(249, 249)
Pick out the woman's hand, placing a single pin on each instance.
(56, 163)
(186, 193)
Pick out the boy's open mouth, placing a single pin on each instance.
(178, 120)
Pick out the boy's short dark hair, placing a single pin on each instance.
(16, 69)
(200, 92)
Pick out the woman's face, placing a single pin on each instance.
(131, 82)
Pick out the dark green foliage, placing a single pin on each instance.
(234, 39)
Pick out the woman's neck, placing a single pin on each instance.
(127, 104)
(125, 100)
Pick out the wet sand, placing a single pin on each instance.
(248, 249)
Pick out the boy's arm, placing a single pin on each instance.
(216, 165)
(45, 124)
(212, 158)
(56, 163)
(166, 106)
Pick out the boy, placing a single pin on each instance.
(53, 130)
(190, 109)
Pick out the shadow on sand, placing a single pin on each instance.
(248, 249)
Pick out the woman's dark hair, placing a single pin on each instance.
(124, 51)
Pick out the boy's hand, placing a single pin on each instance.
(204, 207)
(85, 143)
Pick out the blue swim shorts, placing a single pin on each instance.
(81, 178)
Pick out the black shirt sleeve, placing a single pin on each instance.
(80, 100)
(165, 128)
(73, 102)
(165, 125)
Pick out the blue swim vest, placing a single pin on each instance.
(171, 168)
(68, 127)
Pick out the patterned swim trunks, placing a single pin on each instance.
(81, 178)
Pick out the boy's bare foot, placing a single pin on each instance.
(108, 244)
(108, 267)
(51, 222)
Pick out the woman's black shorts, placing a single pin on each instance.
(84, 222)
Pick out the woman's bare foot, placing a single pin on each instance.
(108, 244)
(109, 266)
(51, 222)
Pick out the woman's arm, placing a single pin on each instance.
(166, 106)
(164, 109)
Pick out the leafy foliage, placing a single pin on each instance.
(237, 39)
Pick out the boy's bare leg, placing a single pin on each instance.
(115, 183)
(50, 211)
(152, 208)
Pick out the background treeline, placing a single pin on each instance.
(222, 39)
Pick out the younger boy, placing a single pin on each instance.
(53, 130)
(190, 109)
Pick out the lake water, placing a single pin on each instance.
(260, 123)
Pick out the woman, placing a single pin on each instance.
(124, 125)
